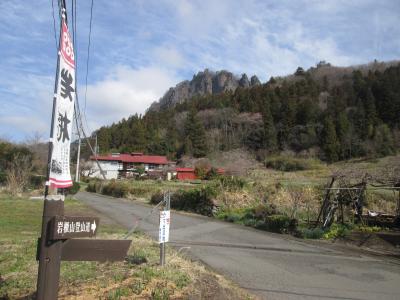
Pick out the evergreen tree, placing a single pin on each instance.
(383, 141)
(370, 113)
(344, 135)
(138, 136)
(171, 139)
(195, 133)
(270, 137)
(330, 143)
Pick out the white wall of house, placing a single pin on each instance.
(110, 169)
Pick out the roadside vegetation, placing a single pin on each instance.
(139, 277)
(285, 197)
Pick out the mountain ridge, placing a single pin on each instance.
(215, 82)
(203, 83)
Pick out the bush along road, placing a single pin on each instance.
(270, 265)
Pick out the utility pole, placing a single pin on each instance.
(95, 147)
(77, 177)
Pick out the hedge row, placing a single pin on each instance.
(261, 217)
(198, 200)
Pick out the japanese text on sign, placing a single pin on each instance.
(165, 220)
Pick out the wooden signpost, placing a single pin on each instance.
(59, 242)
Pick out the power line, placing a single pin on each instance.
(54, 25)
(88, 55)
(78, 115)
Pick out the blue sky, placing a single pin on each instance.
(141, 48)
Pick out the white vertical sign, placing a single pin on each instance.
(60, 176)
(165, 220)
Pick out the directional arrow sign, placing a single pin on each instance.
(94, 250)
(66, 227)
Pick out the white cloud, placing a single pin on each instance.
(124, 92)
(168, 56)
(25, 124)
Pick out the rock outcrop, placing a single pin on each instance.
(254, 80)
(244, 81)
(203, 83)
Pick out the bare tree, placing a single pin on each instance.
(18, 173)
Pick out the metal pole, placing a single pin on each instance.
(167, 206)
(162, 245)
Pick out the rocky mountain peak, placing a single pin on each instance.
(244, 81)
(254, 80)
(203, 83)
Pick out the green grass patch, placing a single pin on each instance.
(289, 163)
(260, 217)
(20, 222)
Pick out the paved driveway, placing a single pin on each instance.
(270, 265)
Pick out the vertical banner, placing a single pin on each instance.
(60, 176)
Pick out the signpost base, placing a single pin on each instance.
(49, 252)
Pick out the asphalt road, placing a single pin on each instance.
(269, 265)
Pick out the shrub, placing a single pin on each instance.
(276, 223)
(197, 200)
(262, 211)
(337, 231)
(37, 181)
(232, 183)
(288, 163)
(260, 217)
(74, 188)
(315, 233)
(94, 186)
(115, 189)
(3, 177)
(91, 187)
(156, 198)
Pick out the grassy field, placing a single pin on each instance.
(139, 278)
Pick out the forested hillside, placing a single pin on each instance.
(326, 112)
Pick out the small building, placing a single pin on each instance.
(128, 165)
(185, 174)
(190, 173)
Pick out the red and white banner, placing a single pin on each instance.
(60, 176)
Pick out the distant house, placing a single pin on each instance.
(118, 165)
(185, 174)
(190, 173)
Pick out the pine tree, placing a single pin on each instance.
(195, 133)
(370, 113)
(138, 136)
(343, 134)
(270, 136)
(383, 140)
(330, 143)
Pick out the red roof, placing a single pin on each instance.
(133, 158)
(184, 169)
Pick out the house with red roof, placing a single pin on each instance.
(125, 165)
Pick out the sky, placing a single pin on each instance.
(140, 48)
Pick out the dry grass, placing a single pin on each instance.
(238, 199)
